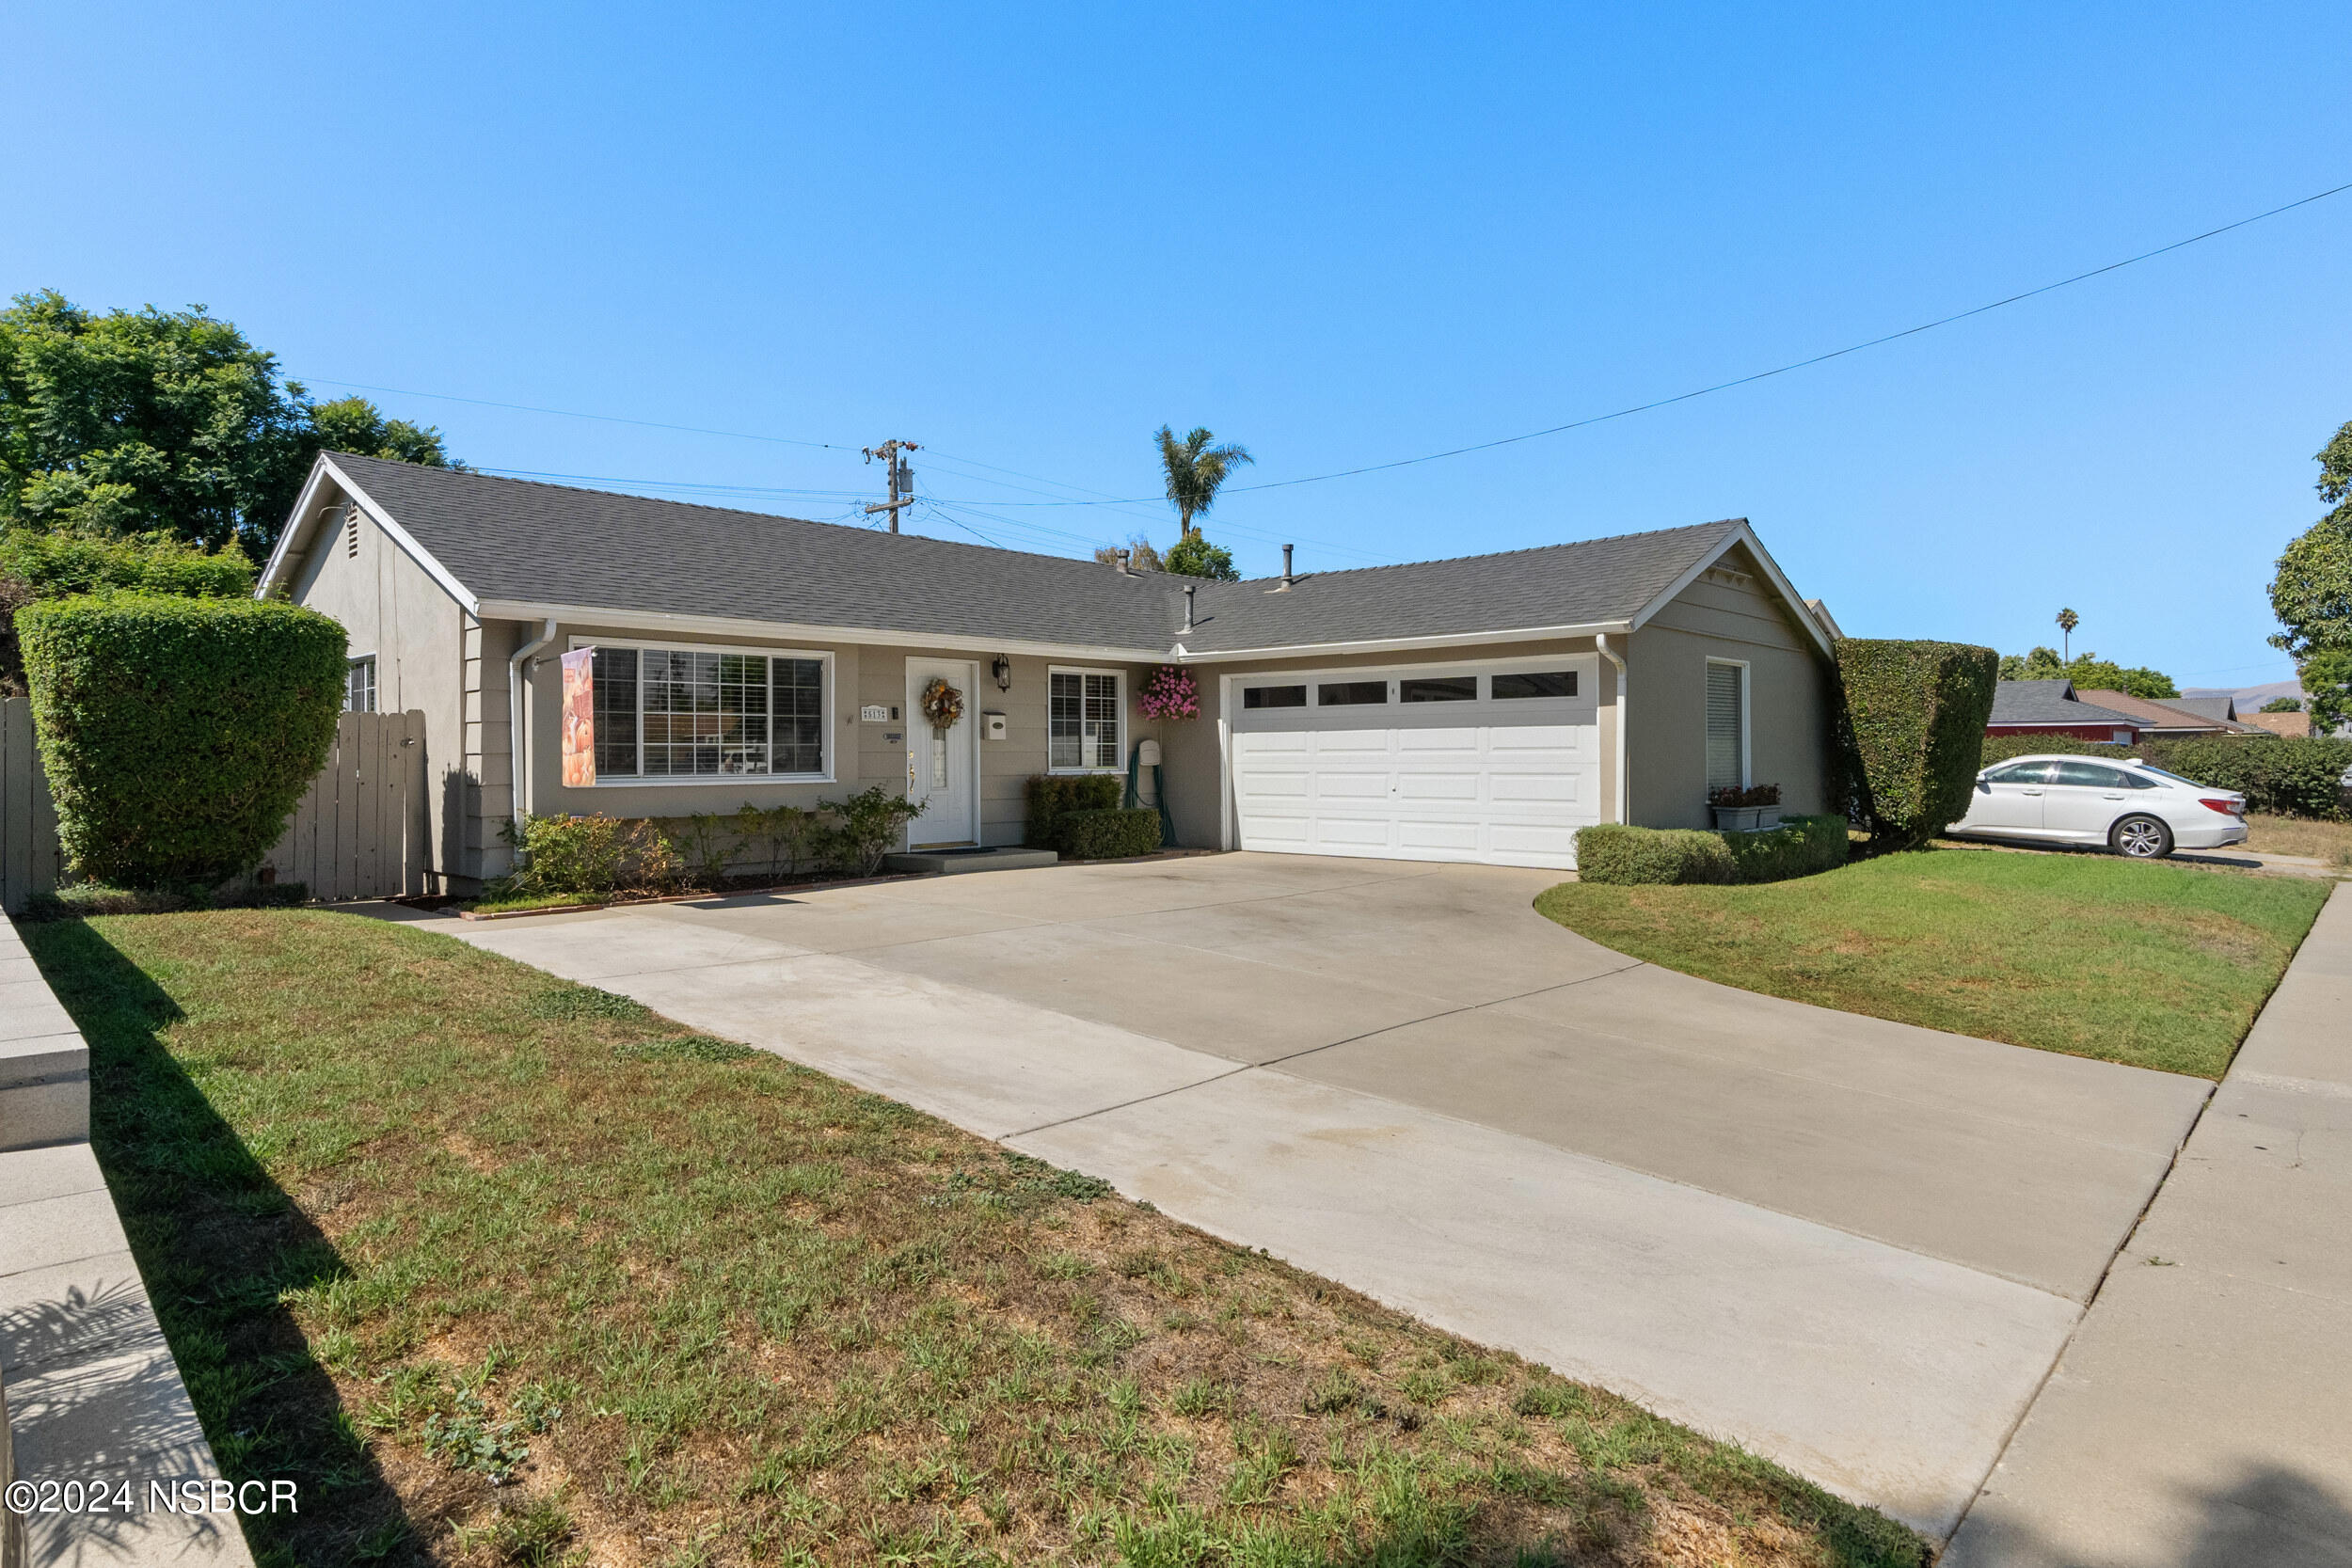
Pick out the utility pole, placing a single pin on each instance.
(901, 478)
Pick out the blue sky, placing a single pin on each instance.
(1026, 237)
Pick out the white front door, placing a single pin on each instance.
(942, 770)
(1497, 763)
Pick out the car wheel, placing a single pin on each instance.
(2143, 838)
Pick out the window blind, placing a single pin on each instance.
(1726, 743)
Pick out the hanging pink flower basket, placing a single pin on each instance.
(1170, 693)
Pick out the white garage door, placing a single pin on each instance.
(1497, 764)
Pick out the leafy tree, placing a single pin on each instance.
(2066, 621)
(2284, 705)
(2312, 593)
(1141, 555)
(1195, 471)
(1193, 556)
(2327, 682)
(167, 422)
(2088, 673)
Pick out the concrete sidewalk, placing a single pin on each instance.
(2202, 1413)
(1855, 1246)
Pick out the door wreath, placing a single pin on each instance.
(942, 704)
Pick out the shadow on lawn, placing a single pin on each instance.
(217, 1242)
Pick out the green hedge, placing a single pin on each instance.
(177, 734)
(1910, 727)
(1613, 852)
(1799, 846)
(1053, 797)
(57, 564)
(1106, 835)
(2290, 775)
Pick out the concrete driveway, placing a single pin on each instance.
(1854, 1246)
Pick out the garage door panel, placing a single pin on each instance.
(1506, 782)
(1438, 786)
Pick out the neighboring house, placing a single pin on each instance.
(2292, 725)
(2053, 707)
(1470, 709)
(2173, 718)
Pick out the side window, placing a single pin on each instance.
(2020, 773)
(359, 686)
(2088, 775)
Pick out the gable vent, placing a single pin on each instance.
(351, 530)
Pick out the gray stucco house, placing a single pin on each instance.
(1481, 708)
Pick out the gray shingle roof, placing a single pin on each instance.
(512, 539)
(2050, 703)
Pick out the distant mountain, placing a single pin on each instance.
(2247, 696)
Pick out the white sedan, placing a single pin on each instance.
(2130, 807)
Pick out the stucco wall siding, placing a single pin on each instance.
(1666, 696)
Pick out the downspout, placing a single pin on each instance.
(1624, 731)
(515, 728)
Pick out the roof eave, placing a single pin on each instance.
(736, 626)
(1182, 655)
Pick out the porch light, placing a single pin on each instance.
(1002, 670)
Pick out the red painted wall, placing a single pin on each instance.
(2079, 732)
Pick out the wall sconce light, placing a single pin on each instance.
(1002, 670)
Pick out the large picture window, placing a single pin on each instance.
(687, 713)
(1083, 719)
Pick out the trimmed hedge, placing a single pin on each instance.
(177, 734)
(2289, 775)
(1911, 720)
(1053, 797)
(1613, 852)
(1801, 845)
(1109, 836)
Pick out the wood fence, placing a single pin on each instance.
(358, 833)
(29, 859)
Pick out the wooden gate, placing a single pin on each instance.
(359, 833)
(30, 862)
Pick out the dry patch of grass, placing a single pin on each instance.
(2327, 841)
(2094, 955)
(508, 1271)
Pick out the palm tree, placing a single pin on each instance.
(1196, 471)
(2066, 621)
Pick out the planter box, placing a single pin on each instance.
(1745, 819)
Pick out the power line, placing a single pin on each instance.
(575, 414)
(1747, 380)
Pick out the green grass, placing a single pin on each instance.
(2159, 966)
(501, 1270)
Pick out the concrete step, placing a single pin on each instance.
(950, 863)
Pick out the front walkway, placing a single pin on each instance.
(1854, 1245)
(2202, 1413)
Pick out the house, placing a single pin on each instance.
(2053, 707)
(1482, 708)
(2172, 717)
(2295, 725)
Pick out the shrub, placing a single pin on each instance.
(1613, 852)
(1104, 835)
(1909, 731)
(591, 856)
(788, 833)
(1799, 846)
(177, 734)
(1054, 796)
(2000, 748)
(54, 565)
(870, 824)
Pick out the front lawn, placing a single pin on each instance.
(2156, 965)
(2331, 842)
(506, 1270)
